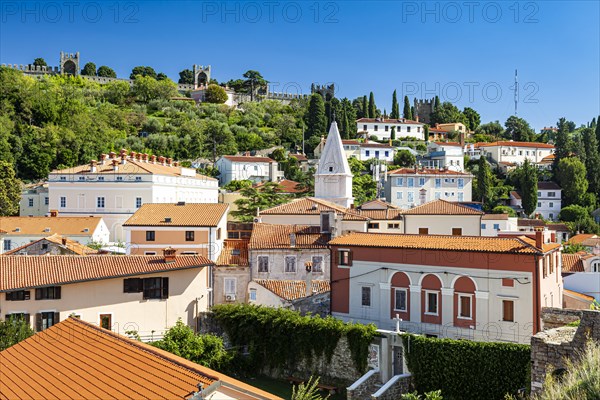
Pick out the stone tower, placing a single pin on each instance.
(423, 108)
(201, 75)
(333, 178)
(69, 63)
(327, 91)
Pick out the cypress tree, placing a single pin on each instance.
(372, 107)
(598, 132)
(592, 160)
(436, 103)
(393, 134)
(529, 187)
(395, 107)
(316, 121)
(407, 112)
(484, 182)
(561, 144)
(346, 124)
(365, 107)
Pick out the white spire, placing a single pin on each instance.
(333, 178)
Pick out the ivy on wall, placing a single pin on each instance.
(281, 338)
(465, 369)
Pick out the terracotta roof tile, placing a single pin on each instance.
(313, 206)
(515, 194)
(250, 159)
(376, 204)
(582, 296)
(185, 214)
(581, 238)
(287, 186)
(494, 217)
(235, 252)
(299, 157)
(558, 227)
(351, 142)
(518, 144)
(75, 359)
(426, 171)
(72, 245)
(446, 143)
(572, 262)
(293, 290)
(530, 222)
(19, 272)
(389, 121)
(34, 226)
(388, 214)
(437, 242)
(548, 186)
(271, 236)
(442, 207)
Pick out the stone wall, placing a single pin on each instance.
(395, 388)
(557, 317)
(318, 304)
(363, 388)
(550, 348)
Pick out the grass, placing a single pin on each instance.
(281, 388)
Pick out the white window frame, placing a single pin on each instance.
(230, 283)
(314, 270)
(258, 262)
(470, 296)
(140, 202)
(252, 295)
(437, 302)
(285, 264)
(100, 200)
(62, 201)
(405, 291)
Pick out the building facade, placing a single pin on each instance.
(382, 128)
(34, 201)
(515, 153)
(115, 187)
(255, 169)
(444, 155)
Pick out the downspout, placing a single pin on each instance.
(210, 270)
(536, 322)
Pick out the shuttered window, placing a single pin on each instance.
(156, 288)
(133, 285)
(508, 310)
(48, 293)
(46, 319)
(18, 295)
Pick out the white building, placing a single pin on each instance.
(34, 200)
(378, 151)
(19, 231)
(409, 187)
(492, 224)
(116, 186)
(382, 128)
(549, 200)
(256, 169)
(444, 155)
(333, 177)
(511, 153)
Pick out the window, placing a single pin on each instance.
(317, 264)
(373, 225)
(539, 204)
(377, 154)
(138, 202)
(411, 197)
(456, 231)
(375, 127)
(150, 236)
(394, 226)
(431, 303)
(133, 285)
(119, 178)
(551, 205)
(551, 216)
(411, 182)
(400, 300)
(252, 296)
(461, 183)
(45, 320)
(63, 178)
(30, 202)
(367, 153)
(149, 253)
(423, 231)
(46, 201)
(100, 202)
(218, 233)
(365, 299)
(263, 263)
(156, 288)
(63, 201)
(461, 196)
(189, 236)
(483, 226)
(386, 128)
(18, 295)
(106, 321)
(408, 129)
(497, 227)
(438, 195)
(508, 310)
(48, 293)
(421, 181)
(438, 183)
(464, 306)
(539, 194)
(387, 153)
(230, 286)
(399, 195)
(345, 257)
(7, 244)
(82, 178)
(290, 264)
(399, 181)
(101, 178)
(551, 194)
(138, 178)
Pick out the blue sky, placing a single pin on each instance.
(463, 51)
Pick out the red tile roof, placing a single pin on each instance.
(71, 245)
(235, 252)
(377, 145)
(515, 194)
(293, 290)
(299, 157)
(548, 186)
(313, 206)
(287, 186)
(271, 236)
(184, 214)
(582, 296)
(426, 171)
(447, 143)
(351, 142)
(572, 262)
(581, 238)
(389, 121)
(20, 272)
(77, 360)
(38, 226)
(442, 207)
(518, 144)
(494, 217)
(438, 242)
(250, 159)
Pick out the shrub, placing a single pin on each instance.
(464, 369)
(12, 331)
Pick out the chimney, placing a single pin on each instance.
(175, 164)
(64, 241)
(115, 165)
(102, 158)
(553, 237)
(53, 213)
(153, 159)
(123, 158)
(112, 155)
(93, 164)
(169, 254)
(132, 155)
(308, 280)
(145, 157)
(161, 160)
(123, 151)
(169, 161)
(417, 118)
(539, 239)
(138, 157)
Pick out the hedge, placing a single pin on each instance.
(280, 338)
(466, 370)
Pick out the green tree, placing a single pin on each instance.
(504, 210)
(254, 81)
(395, 107)
(365, 107)
(106, 72)
(529, 187)
(483, 189)
(446, 113)
(13, 330)
(117, 92)
(436, 103)
(592, 160)
(89, 69)
(206, 350)
(161, 76)
(146, 88)
(40, 62)
(472, 117)
(308, 391)
(572, 178)
(234, 185)
(493, 129)
(255, 199)
(143, 71)
(316, 121)
(10, 190)
(215, 94)
(518, 129)
(186, 77)
(562, 144)
(219, 139)
(407, 112)
(372, 106)
(393, 133)
(405, 158)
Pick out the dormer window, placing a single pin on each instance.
(63, 178)
(101, 178)
(82, 178)
(138, 178)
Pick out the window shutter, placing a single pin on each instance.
(126, 285)
(38, 321)
(27, 318)
(165, 288)
(57, 292)
(56, 318)
(27, 295)
(38, 294)
(139, 285)
(350, 257)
